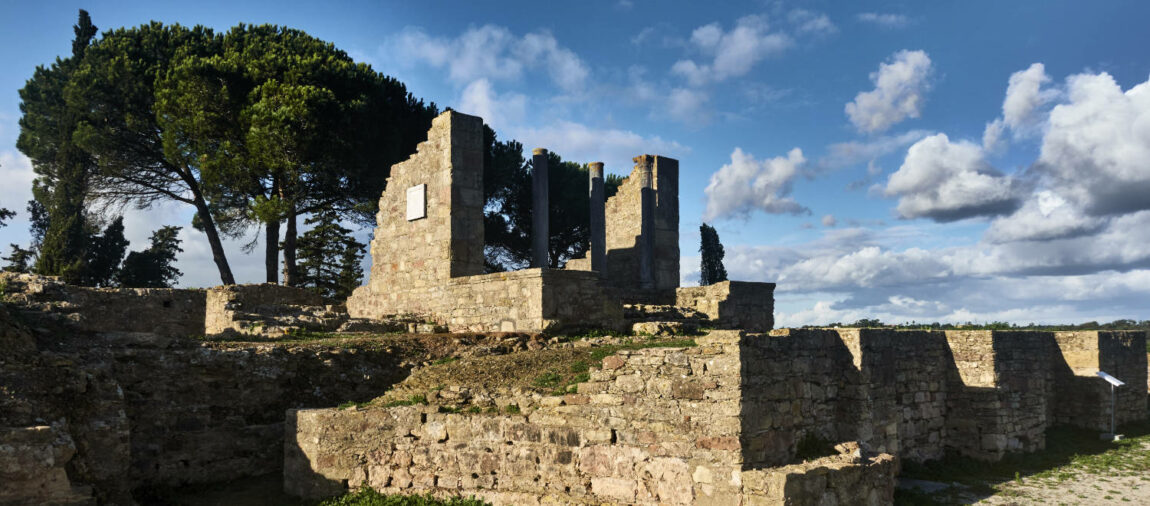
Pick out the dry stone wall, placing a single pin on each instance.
(654, 426)
(624, 218)
(1084, 398)
(733, 304)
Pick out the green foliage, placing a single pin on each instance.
(508, 206)
(512, 409)
(105, 252)
(5, 214)
(20, 260)
(445, 360)
(549, 379)
(411, 401)
(711, 251)
(367, 496)
(153, 267)
(329, 257)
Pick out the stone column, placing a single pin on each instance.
(540, 227)
(647, 225)
(598, 221)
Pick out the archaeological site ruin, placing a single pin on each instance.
(109, 395)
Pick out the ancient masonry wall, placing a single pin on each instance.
(733, 304)
(730, 414)
(655, 426)
(232, 309)
(1082, 392)
(433, 266)
(624, 217)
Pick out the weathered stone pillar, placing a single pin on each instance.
(647, 224)
(540, 227)
(598, 221)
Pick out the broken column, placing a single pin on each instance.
(540, 230)
(647, 223)
(598, 221)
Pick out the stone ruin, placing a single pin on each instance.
(106, 392)
(427, 254)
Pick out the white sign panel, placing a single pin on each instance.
(417, 202)
(1110, 379)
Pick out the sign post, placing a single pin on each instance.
(1114, 384)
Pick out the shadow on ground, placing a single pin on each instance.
(1068, 451)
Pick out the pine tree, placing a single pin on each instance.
(20, 260)
(152, 268)
(105, 252)
(712, 256)
(47, 128)
(5, 215)
(329, 257)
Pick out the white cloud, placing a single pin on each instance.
(1096, 149)
(479, 99)
(846, 154)
(884, 20)
(829, 220)
(17, 175)
(900, 92)
(494, 53)
(580, 143)
(733, 53)
(1045, 216)
(992, 136)
(946, 181)
(813, 23)
(1025, 97)
(688, 106)
(746, 185)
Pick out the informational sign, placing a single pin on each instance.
(417, 202)
(1110, 379)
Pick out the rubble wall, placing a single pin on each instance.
(231, 309)
(1082, 398)
(733, 304)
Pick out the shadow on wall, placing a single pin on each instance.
(922, 394)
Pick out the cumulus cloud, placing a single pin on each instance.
(901, 84)
(17, 175)
(732, 53)
(747, 185)
(1044, 216)
(885, 20)
(1096, 149)
(846, 154)
(494, 53)
(947, 181)
(500, 111)
(1025, 96)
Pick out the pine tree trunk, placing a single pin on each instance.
(291, 271)
(272, 251)
(213, 239)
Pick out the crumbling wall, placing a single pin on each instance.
(733, 304)
(624, 218)
(653, 426)
(33, 464)
(846, 478)
(111, 313)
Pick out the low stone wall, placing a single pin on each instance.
(529, 300)
(255, 309)
(847, 478)
(654, 426)
(32, 467)
(166, 312)
(733, 304)
(1083, 397)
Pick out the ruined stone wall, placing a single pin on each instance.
(653, 426)
(733, 304)
(624, 218)
(846, 478)
(234, 309)
(33, 464)
(166, 312)
(1083, 397)
(413, 260)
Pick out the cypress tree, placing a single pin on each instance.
(329, 257)
(104, 255)
(712, 270)
(153, 267)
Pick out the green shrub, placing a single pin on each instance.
(369, 497)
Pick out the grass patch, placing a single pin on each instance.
(445, 360)
(1069, 452)
(549, 379)
(512, 409)
(411, 401)
(369, 497)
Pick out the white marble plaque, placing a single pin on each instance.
(417, 202)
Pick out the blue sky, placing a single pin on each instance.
(921, 161)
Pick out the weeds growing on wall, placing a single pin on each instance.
(369, 497)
